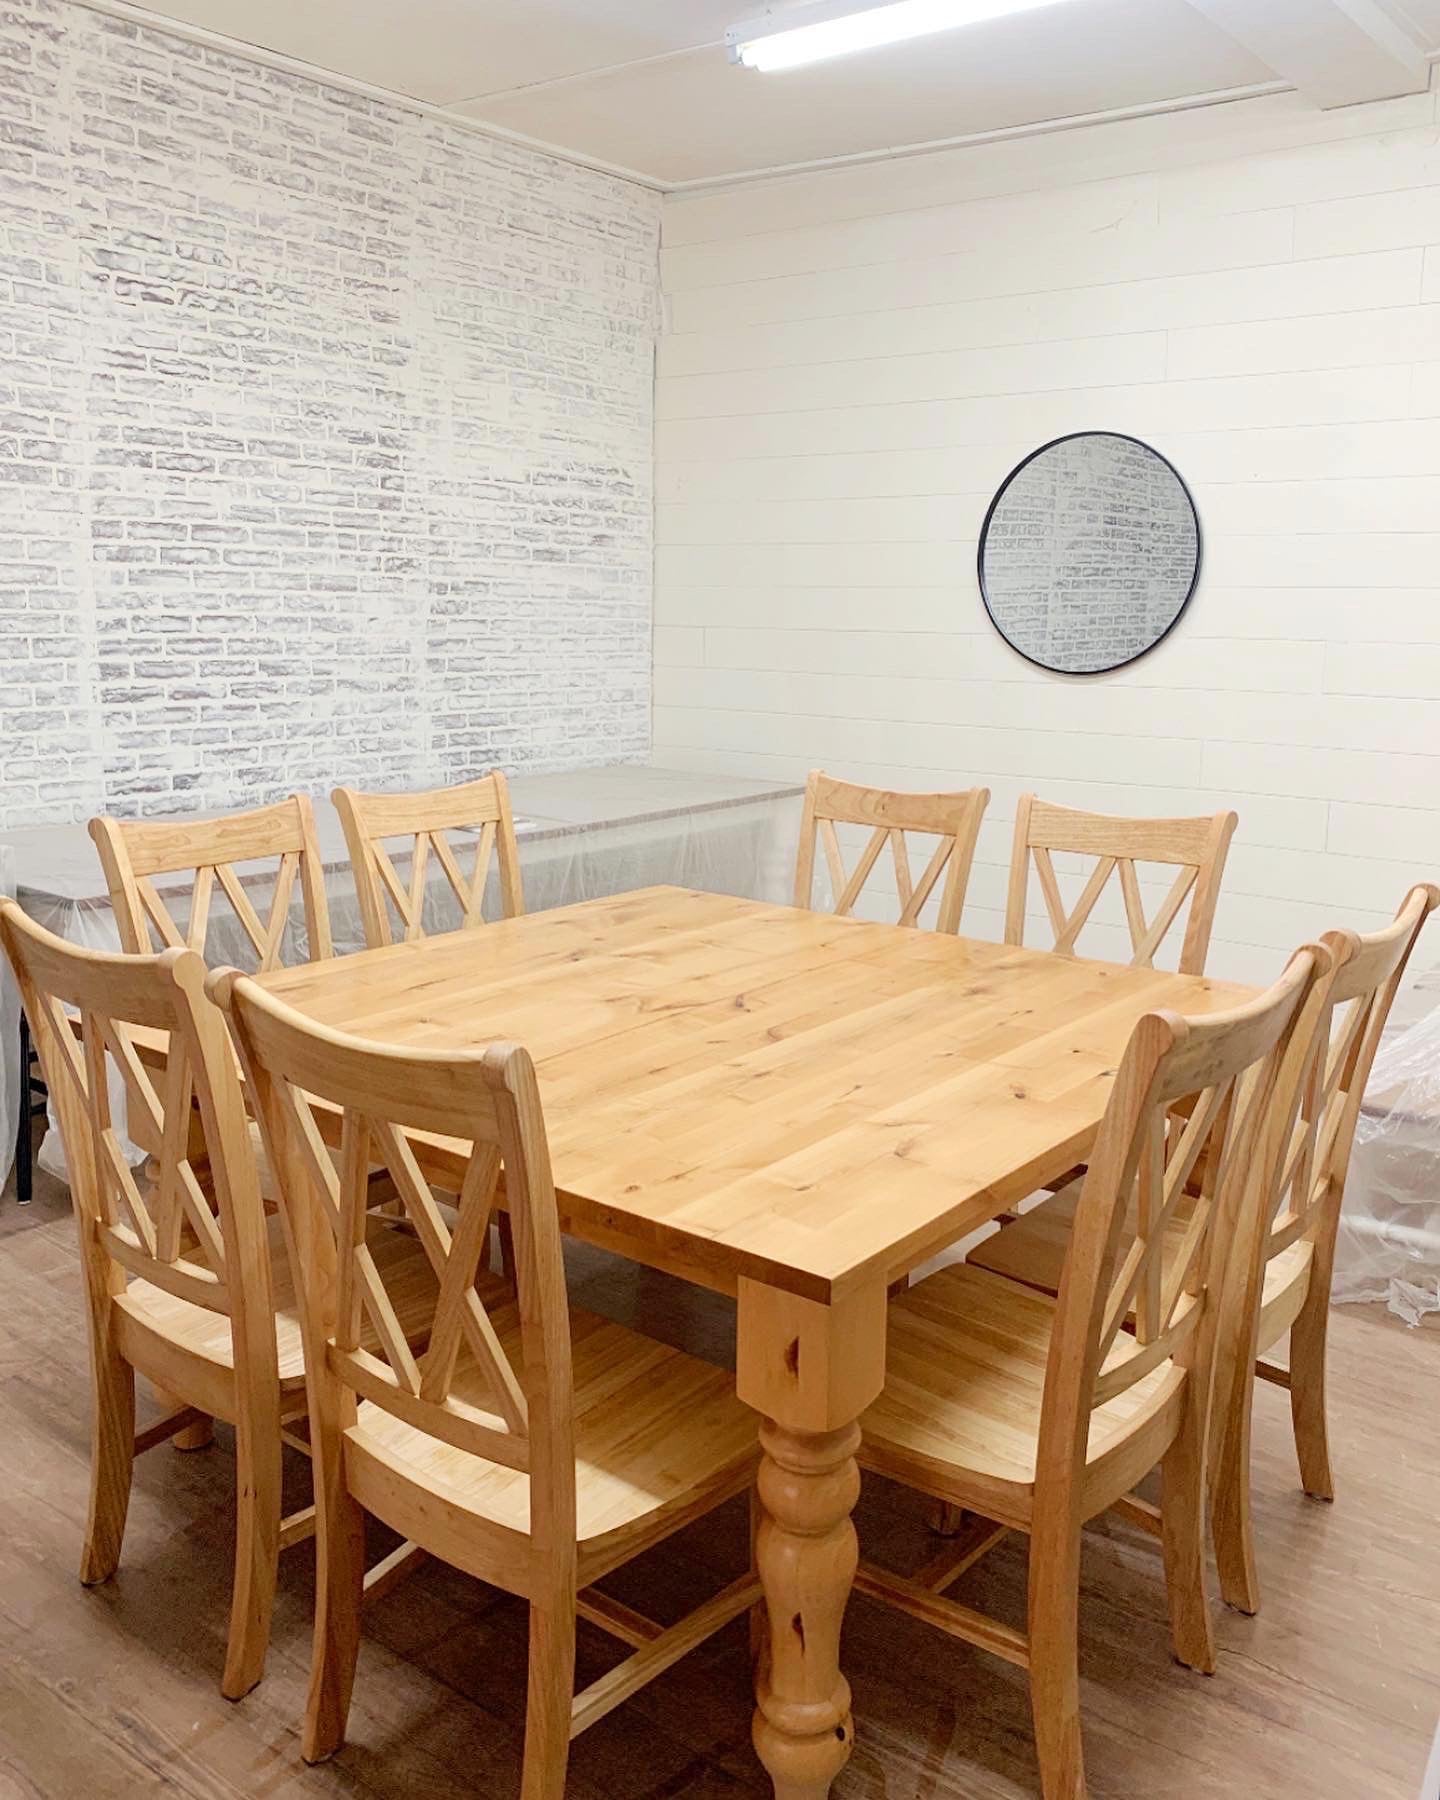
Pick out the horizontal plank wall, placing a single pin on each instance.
(325, 435)
(854, 360)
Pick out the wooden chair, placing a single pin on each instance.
(533, 1446)
(1284, 1283)
(177, 1264)
(1038, 1413)
(952, 818)
(1291, 1262)
(1198, 847)
(133, 852)
(372, 819)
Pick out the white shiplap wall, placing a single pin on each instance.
(855, 359)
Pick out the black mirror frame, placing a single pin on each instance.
(1003, 489)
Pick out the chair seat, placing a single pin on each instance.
(205, 1336)
(959, 1416)
(1031, 1250)
(659, 1437)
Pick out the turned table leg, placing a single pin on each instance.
(810, 1370)
(806, 1551)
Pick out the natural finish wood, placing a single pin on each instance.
(1330, 1694)
(736, 1089)
(791, 1108)
(952, 818)
(163, 1250)
(531, 1444)
(388, 903)
(809, 1370)
(660, 1652)
(1197, 847)
(391, 1570)
(1040, 1414)
(1283, 1283)
(1286, 1279)
(134, 852)
(180, 1281)
(977, 1538)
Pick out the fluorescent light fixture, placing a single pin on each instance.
(796, 35)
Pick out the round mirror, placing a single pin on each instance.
(1089, 553)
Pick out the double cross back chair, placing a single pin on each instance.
(525, 1441)
(186, 1281)
(256, 859)
(1023, 1386)
(1196, 848)
(483, 1419)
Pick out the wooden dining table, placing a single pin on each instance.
(791, 1108)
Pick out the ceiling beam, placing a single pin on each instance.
(1337, 52)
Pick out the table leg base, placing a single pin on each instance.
(806, 1552)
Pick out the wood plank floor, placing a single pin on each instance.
(1332, 1693)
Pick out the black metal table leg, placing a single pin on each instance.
(24, 1141)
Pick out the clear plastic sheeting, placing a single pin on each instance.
(1388, 1248)
(11, 1097)
(582, 834)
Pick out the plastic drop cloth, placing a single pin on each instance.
(582, 834)
(1388, 1248)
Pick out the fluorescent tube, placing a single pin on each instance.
(770, 44)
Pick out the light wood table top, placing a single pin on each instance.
(741, 1090)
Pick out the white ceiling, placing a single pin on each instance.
(645, 85)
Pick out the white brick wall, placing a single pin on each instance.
(325, 435)
(856, 359)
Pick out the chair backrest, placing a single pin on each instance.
(1184, 1141)
(217, 851)
(1320, 1134)
(376, 1098)
(952, 818)
(86, 1008)
(1198, 847)
(481, 808)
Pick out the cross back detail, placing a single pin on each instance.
(84, 1008)
(1179, 1164)
(467, 1384)
(415, 1385)
(211, 851)
(387, 900)
(1338, 1065)
(1192, 1166)
(1198, 847)
(952, 818)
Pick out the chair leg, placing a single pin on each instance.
(1231, 1525)
(505, 1231)
(339, 1589)
(1054, 1627)
(257, 1553)
(199, 1436)
(1182, 1534)
(112, 1459)
(1308, 1338)
(551, 1689)
(944, 1518)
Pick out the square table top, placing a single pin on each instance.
(736, 1089)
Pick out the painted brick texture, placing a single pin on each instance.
(325, 436)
